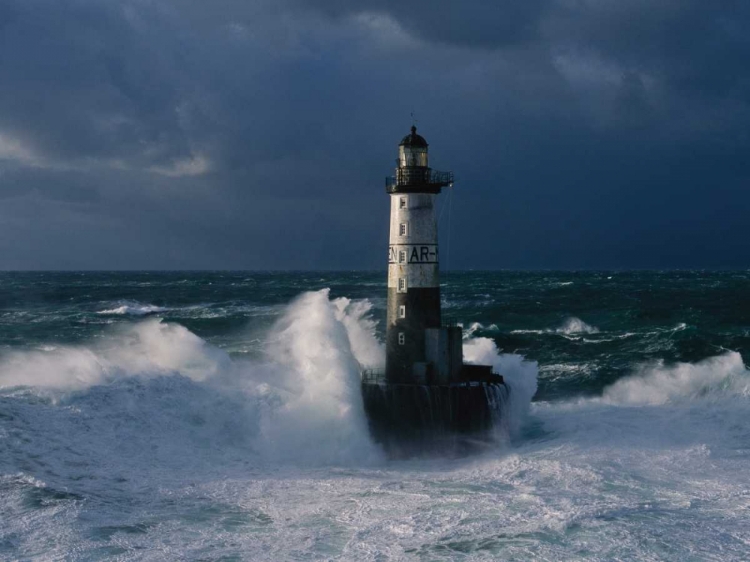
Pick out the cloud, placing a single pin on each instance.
(256, 134)
(13, 149)
(93, 81)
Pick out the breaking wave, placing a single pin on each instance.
(575, 325)
(570, 327)
(477, 327)
(300, 402)
(656, 384)
(520, 375)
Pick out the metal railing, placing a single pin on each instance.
(443, 178)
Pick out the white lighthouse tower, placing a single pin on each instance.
(417, 350)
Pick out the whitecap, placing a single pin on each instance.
(133, 309)
(572, 326)
(575, 325)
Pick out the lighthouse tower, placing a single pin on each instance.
(427, 394)
(417, 350)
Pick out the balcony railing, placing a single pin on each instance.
(416, 178)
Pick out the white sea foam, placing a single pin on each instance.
(151, 464)
(315, 354)
(572, 326)
(158, 445)
(519, 374)
(575, 325)
(305, 394)
(133, 309)
(150, 348)
(657, 383)
(360, 327)
(475, 327)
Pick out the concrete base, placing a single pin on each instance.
(410, 420)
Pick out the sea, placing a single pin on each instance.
(218, 416)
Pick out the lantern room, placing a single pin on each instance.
(412, 152)
(413, 174)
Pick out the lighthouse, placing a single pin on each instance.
(413, 320)
(426, 397)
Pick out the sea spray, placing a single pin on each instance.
(322, 416)
(520, 375)
(575, 325)
(146, 349)
(657, 383)
(305, 393)
(305, 396)
(360, 328)
(571, 326)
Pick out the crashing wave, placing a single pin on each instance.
(658, 383)
(300, 402)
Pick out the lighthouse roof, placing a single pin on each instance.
(413, 139)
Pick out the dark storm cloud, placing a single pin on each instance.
(86, 82)
(256, 134)
(473, 24)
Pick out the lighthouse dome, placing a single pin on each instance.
(413, 139)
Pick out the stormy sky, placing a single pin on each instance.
(256, 134)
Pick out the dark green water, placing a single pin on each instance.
(626, 318)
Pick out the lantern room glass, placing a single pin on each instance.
(412, 156)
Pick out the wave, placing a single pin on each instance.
(314, 360)
(663, 450)
(477, 327)
(520, 375)
(575, 325)
(657, 383)
(131, 308)
(299, 402)
(572, 326)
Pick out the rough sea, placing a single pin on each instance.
(217, 416)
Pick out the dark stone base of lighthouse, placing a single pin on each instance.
(423, 306)
(451, 419)
(427, 400)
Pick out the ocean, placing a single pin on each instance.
(217, 416)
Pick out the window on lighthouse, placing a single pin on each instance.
(402, 311)
(402, 256)
(402, 203)
(403, 229)
(402, 285)
(401, 338)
